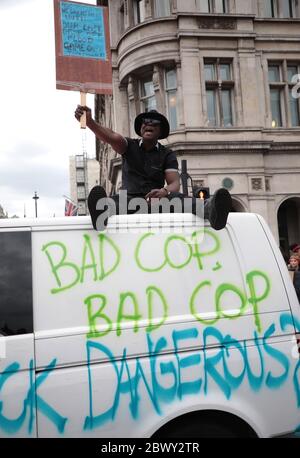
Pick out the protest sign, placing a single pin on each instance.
(83, 60)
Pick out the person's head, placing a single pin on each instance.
(294, 262)
(296, 250)
(151, 126)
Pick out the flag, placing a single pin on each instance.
(71, 209)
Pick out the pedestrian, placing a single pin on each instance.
(149, 171)
(294, 268)
(293, 264)
(296, 249)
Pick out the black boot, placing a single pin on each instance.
(97, 192)
(218, 207)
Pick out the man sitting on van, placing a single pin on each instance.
(149, 169)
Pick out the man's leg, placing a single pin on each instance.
(97, 193)
(102, 207)
(216, 208)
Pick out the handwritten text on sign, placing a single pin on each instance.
(83, 32)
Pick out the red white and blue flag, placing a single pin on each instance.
(71, 209)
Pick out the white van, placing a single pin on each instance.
(149, 329)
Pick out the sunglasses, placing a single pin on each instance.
(154, 122)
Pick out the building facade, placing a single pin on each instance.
(226, 74)
(84, 174)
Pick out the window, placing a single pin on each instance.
(279, 8)
(162, 8)
(276, 106)
(122, 17)
(155, 90)
(80, 176)
(284, 107)
(148, 99)
(276, 94)
(171, 93)
(287, 8)
(219, 88)
(294, 107)
(294, 103)
(270, 10)
(16, 315)
(81, 192)
(81, 208)
(139, 11)
(212, 6)
(274, 73)
(79, 161)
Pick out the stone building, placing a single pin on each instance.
(224, 72)
(84, 174)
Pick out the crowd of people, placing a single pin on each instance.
(294, 267)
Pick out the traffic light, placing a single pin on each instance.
(201, 193)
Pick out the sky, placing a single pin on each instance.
(38, 129)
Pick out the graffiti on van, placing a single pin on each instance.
(213, 368)
(165, 374)
(31, 402)
(89, 262)
(95, 267)
(139, 378)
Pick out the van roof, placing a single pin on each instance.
(165, 219)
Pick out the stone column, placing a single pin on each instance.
(132, 104)
(180, 112)
(250, 81)
(191, 90)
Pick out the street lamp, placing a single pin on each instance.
(35, 197)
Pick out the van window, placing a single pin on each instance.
(16, 315)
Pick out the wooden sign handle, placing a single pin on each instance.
(83, 103)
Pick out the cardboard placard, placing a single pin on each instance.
(83, 60)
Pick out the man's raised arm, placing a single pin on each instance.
(106, 135)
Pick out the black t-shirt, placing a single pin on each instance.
(144, 170)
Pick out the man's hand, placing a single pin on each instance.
(156, 193)
(80, 111)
